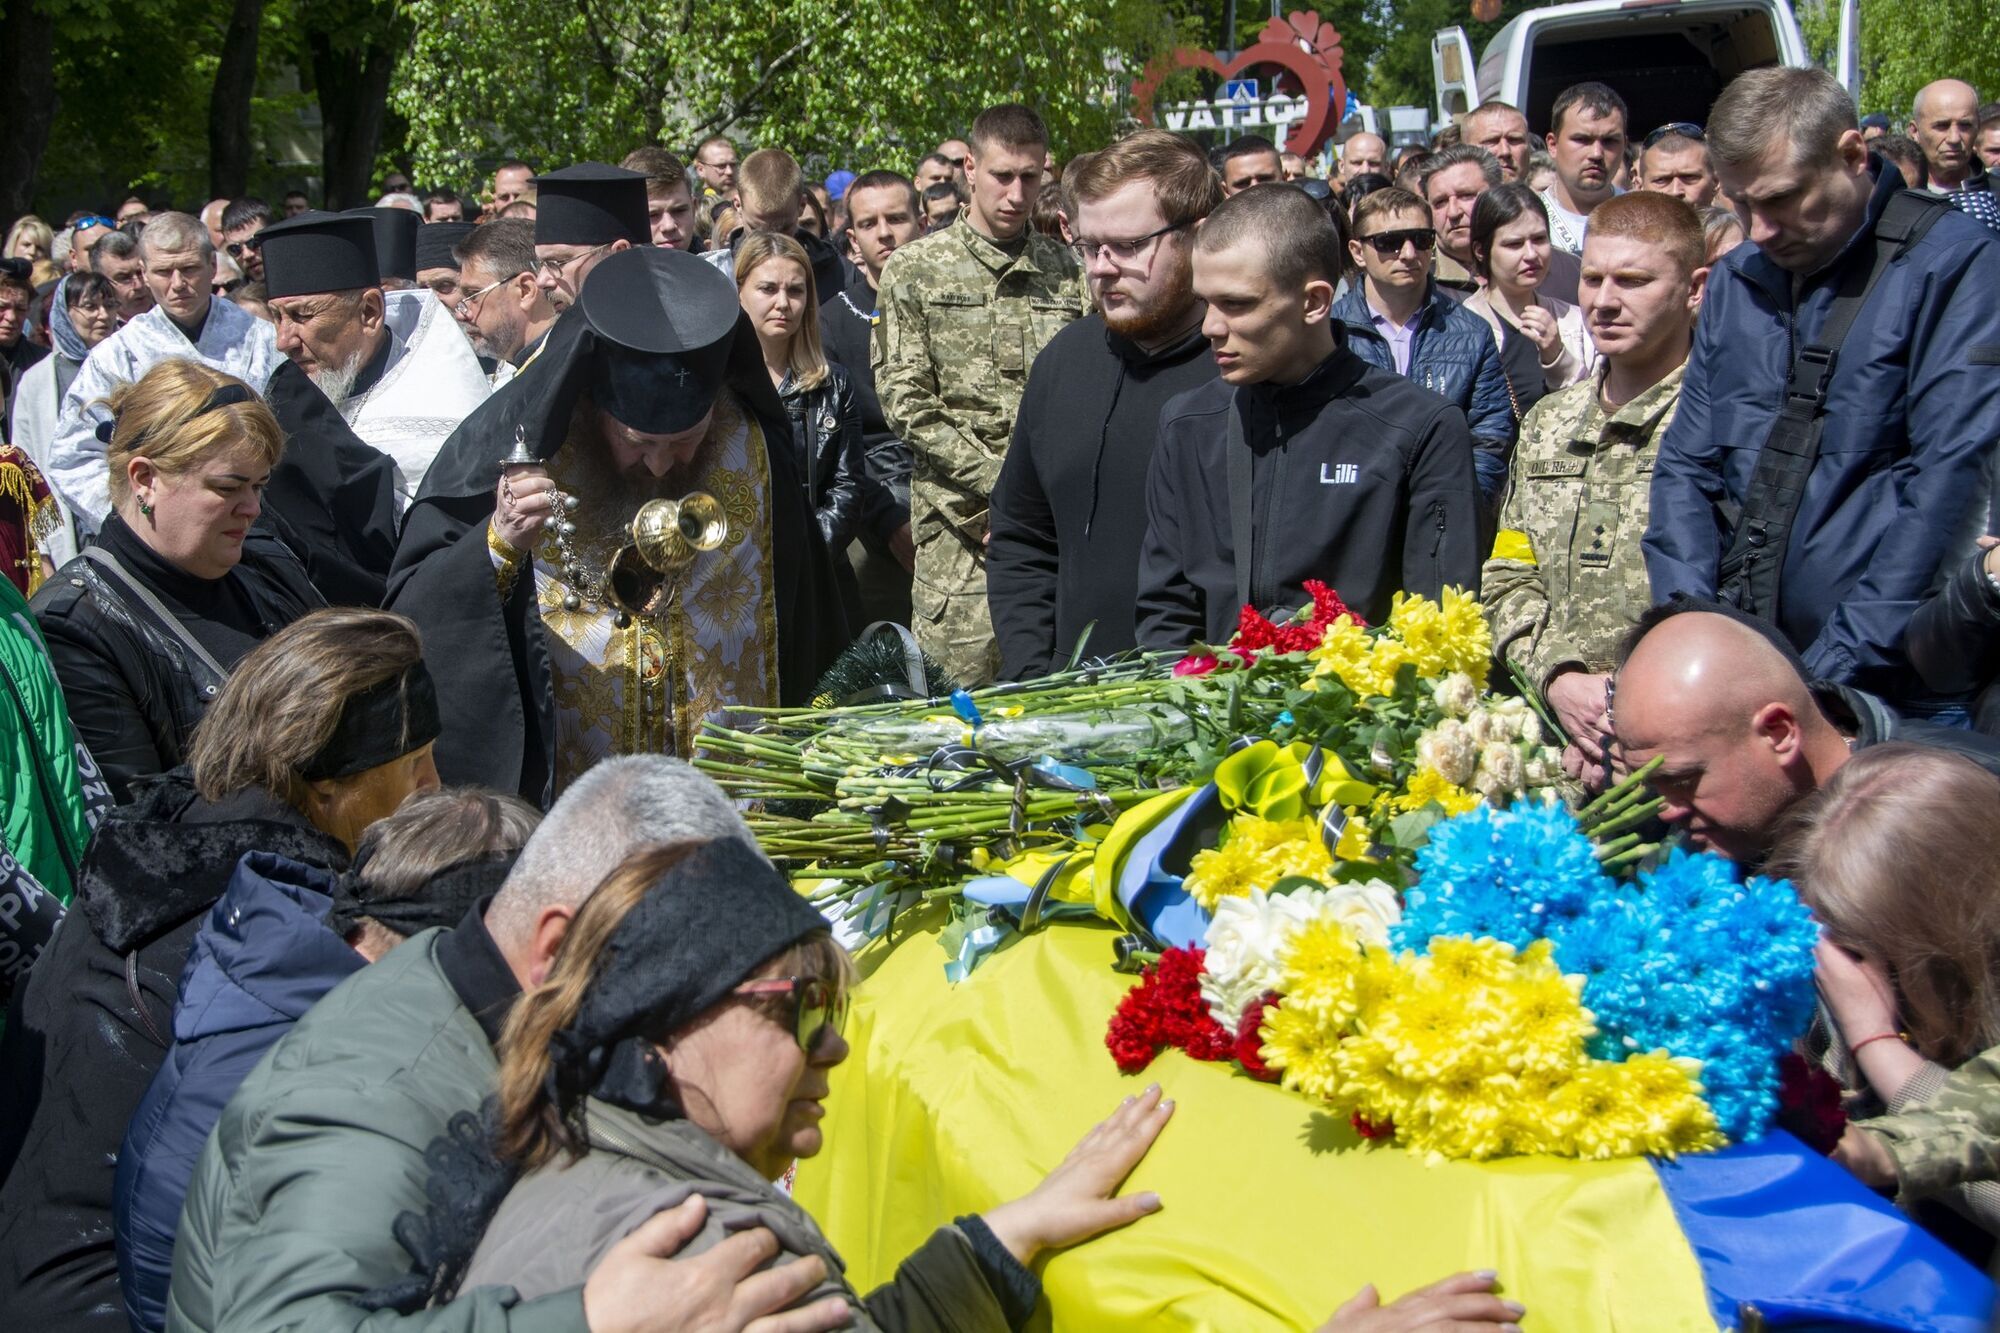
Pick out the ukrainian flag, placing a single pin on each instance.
(960, 1096)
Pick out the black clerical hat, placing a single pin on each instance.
(665, 320)
(395, 240)
(591, 204)
(318, 252)
(437, 240)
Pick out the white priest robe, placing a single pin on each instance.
(432, 382)
(232, 340)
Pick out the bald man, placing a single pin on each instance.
(1363, 152)
(1742, 734)
(1944, 122)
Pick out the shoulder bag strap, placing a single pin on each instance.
(1751, 568)
(1242, 538)
(168, 621)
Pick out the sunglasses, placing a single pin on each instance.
(1389, 244)
(95, 220)
(1685, 129)
(237, 249)
(817, 1008)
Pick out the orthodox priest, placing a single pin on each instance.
(393, 363)
(651, 388)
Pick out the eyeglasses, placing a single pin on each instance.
(94, 220)
(464, 306)
(1684, 129)
(817, 1008)
(552, 267)
(1121, 252)
(237, 249)
(1389, 244)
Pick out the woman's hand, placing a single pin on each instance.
(1540, 325)
(1463, 1301)
(1077, 1200)
(522, 505)
(1857, 992)
(1863, 1154)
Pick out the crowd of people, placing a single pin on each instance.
(374, 959)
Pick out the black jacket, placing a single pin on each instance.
(134, 689)
(90, 1028)
(1359, 477)
(1955, 640)
(1871, 721)
(847, 327)
(1068, 514)
(826, 435)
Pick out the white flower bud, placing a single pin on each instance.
(1456, 694)
(1500, 769)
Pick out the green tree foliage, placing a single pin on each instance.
(1905, 44)
(563, 80)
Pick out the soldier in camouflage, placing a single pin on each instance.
(1947, 1142)
(1567, 579)
(964, 313)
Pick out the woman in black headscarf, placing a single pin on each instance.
(681, 1046)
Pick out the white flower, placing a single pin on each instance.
(1480, 727)
(1247, 936)
(1500, 770)
(1451, 749)
(1510, 717)
(1456, 694)
(1544, 767)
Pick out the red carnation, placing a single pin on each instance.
(1196, 664)
(1253, 631)
(1368, 1129)
(1166, 1009)
(1809, 1103)
(1327, 606)
(1250, 1040)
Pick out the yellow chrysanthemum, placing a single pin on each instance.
(1427, 785)
(1443, 636)
(1296, 1045)
(1349, 653)
(1255, 854)
(1649, 1105)
(1320, 974)
(1228, 871)
(1354, 841)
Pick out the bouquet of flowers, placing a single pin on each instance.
(1523, 996)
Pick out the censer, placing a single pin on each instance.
(666, 537)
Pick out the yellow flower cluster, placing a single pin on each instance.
(1427, 785)
(1444, 636)
(1256, 853)
(1437, 638)
(1472, 1051)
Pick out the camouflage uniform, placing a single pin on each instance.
(1567, 579)
(1942, 1130)
(962, 320)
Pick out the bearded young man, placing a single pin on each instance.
(652, 388)
(1068, 520)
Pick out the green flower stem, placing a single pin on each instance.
(1629, 818)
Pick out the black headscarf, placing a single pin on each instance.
(702, 929)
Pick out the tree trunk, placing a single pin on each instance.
(229, 103)
(27, 100)
(351, 109)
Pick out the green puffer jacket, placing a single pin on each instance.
(290, 1214)
(54, 792)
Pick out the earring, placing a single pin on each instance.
(145, 509)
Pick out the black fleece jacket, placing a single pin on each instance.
(1068, 512)
(1359, 477)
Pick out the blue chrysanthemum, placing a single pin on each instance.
(1506, 874)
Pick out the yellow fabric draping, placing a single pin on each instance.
(958, 1097)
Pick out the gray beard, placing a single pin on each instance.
(337, 382)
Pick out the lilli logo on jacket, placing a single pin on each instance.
(1339, 474)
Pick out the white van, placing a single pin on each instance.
(1669, 59)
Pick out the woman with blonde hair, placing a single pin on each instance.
(29, 238)
(319, 732)
(144, 626)
(682, 1046)
(774, 281)
(1894, 857)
